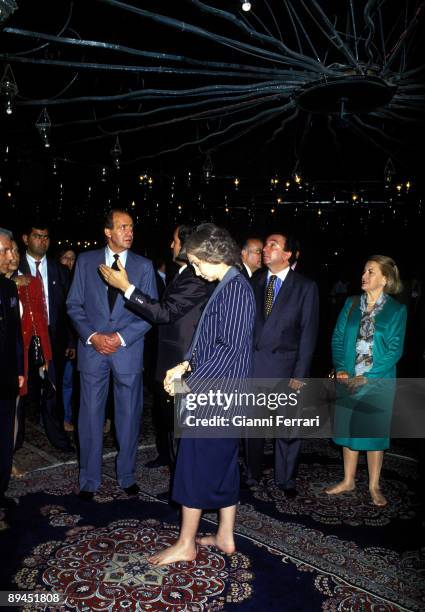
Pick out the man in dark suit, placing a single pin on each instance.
(284, 339)
(11, 364)
(177, 315)
(251, 253)
(111, 341)
(55, 281)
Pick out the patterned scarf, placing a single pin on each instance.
(364, 344)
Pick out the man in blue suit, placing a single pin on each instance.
(285, 335)
(111, 340)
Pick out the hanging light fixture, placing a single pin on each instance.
(207, 168)
(43, 125)
(116, 152)
(8, 90)
(7, 7)
(389, 172)
(246, 6)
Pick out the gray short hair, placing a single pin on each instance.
(6, 232)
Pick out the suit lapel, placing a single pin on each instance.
(278, 309)
(24, 265)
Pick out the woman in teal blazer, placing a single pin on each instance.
(366, 345)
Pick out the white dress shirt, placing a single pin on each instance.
(109, 260)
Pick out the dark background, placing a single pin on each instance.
(344, 208)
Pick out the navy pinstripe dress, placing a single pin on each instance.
(207, 472)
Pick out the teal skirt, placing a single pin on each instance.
(362, 420)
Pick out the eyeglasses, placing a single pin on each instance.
(40, 236)
(255, 251)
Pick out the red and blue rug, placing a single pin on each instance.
(305, 554)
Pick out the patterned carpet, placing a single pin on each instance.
(305, 554)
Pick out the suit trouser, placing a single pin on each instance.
(128, 412)
(51, 413)
(7, 422)
(286, 454)
(163, 421)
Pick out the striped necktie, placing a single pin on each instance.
(268, 302)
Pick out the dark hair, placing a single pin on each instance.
(213, 244)
(109, 218)
(35, 224)
(62, 252)
(183, 233)
(291, 244)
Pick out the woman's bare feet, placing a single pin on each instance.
(16, 472)
(173, 554)
(341, 487)
(377, 498)
(225, 545)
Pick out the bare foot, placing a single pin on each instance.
(377, 498)
(173, 554)
(226, 546)
(16, 472)
(341, 487)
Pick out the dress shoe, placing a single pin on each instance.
(155, 463)
(132, 490)
(247, 483)
(65, 448)
(7, 503)
(290, 493)
(86, 496)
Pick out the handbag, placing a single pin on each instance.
(36, 352)
(35, 348)
(331, 382)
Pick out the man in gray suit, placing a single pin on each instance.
(111, 340)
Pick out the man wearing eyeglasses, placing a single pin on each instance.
(251, 256)
(55, 282)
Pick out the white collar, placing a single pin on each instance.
(110, 255)
(282, 274)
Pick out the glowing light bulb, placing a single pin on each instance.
(246, 6)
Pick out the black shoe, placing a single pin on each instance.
(7, 503)
(247, 483)
(164, 496)
(65, 448)
(86, 496)
(290, 493)
(155, 463)
(132, 490)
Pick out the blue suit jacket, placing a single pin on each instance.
(285, 341)
(89, 310)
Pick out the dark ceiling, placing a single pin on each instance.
(189, 123)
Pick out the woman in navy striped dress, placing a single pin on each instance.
(207, 472)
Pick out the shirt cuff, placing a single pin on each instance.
(129, 292)
(121, 338)
(90, 337)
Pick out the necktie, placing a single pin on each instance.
(112, 291)
(268, 302)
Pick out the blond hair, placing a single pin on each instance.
(388, 269)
